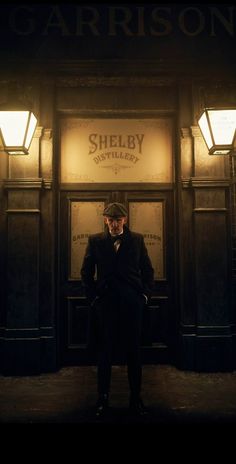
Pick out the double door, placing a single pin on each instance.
(150, 213)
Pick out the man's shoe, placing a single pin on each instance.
(102, 405)
(137, 407)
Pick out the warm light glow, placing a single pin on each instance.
(218, 129)
(17, 128)
(31, 129)
(203, 123)
(13, 125)
(223, 123)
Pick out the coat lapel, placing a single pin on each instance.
(109, 249)
(108, 245)
(125, 244)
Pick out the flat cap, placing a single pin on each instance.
(115, 210)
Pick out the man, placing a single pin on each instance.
(117, 298)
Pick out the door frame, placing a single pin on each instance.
(165, 298)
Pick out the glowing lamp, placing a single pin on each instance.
(218, 126)
(17, 125)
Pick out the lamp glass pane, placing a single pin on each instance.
(203, 124)
(223, 124)
(31, 129)
(13, 125)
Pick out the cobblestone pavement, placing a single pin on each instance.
(68, 396)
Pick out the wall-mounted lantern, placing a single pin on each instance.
(218, 127)
(17, 126)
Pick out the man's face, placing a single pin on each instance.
(115, 224)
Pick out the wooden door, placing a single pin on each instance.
(152, 214)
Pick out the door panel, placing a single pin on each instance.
(85, 218)
(147, 218)
(150, 213)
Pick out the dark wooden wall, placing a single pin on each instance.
(177, 76)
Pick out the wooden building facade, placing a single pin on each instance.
(117, 91)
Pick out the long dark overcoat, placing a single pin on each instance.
(105, 271)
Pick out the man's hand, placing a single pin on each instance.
(94, 301)
(146, 298)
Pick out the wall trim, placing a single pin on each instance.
(23, 183)
(115, 81)
(28, 183)
(26, 333)
(205, 182)
(209, 210)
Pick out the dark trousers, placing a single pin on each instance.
(119, 324)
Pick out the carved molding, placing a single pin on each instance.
(117, 81)
(25, 183)
(23, 211)
(202, 330)
(185, 132)
(26, 332)
(38, 132)
(47, 134)
(187, 329)
(186, 182)
(125, 186)
(47, 184)
(209, 210)
(204, 182)
(209, 182)
(195, 131)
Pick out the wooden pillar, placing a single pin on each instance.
(211, 228)
(3, 174)
(27, 222)
(22, 337)
(205, 329)
(29, 344)
(187, 321)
